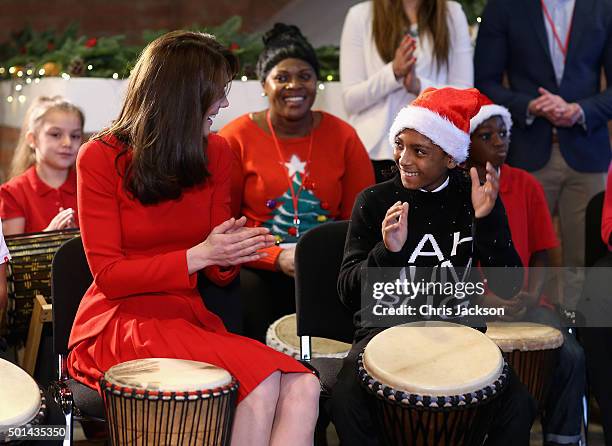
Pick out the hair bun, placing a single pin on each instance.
(282, 32)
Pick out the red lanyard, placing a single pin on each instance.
(295, 196)
(562, 47)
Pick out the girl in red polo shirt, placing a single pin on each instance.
(41, 192)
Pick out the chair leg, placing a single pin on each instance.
(69, 423)
(41, 313)
(585, 420)
(323, 421)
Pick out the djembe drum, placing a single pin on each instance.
(530, 349)
(22, 405)
(29, 274)
(433, 383)
(161, 401)
(282, 336)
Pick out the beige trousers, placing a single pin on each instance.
(568, 192)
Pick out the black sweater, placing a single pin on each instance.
(445, 218)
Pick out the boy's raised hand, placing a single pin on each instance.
(395, 226)
(484, 196)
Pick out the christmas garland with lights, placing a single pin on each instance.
(29, 55)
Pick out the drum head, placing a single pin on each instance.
(524, 336)
(282, 336)
(167, 375)
(20, 396)
(433, 358)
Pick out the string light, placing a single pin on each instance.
(243, 78)
(65, 76)
(9, 99)
(90, 67)
(330, 77)
(12, 70)
(21, 98)
(18, 87)
(115, 75)
(479, 19)
(20, 73)
(2, 70)
(321, 87)
(29, 72)
(29, 80)
(41, 72)
(37, 80)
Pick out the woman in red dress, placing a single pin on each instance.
(154, 208)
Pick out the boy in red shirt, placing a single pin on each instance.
(533, 235)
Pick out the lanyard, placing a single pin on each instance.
(295, 196)
(562, 47)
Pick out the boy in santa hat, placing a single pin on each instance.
(533, 235)
(431, 214)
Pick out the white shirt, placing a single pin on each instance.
(372, 96)
(5, 256)
(561, 12)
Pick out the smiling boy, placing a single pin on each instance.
(431, 214)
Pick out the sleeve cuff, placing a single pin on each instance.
(582, 119)
(529, 118)
(385, 258)
(268, 262)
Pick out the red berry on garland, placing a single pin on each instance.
(90, 43)
(292, 231)
(234, 46)
(325, 205)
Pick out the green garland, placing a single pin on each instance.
(31, 54)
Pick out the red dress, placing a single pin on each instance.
(143, 302)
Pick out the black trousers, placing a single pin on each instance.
(349, 412)
(265, 296)
(596, 337)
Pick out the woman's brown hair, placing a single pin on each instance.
(177, 78)
(25, 156)
(390, 24)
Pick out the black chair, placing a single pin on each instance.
(70, 278)
(319, 311)
(594, 247)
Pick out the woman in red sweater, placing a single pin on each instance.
(154, 197)
(41, 194)
(295, 168)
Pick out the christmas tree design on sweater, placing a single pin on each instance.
(310, 210)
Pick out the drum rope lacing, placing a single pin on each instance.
(141, 394)
(403, 398)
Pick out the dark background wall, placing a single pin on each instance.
(130, 17)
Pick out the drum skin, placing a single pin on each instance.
(432, 384)
(282, 336)
(21, 404)
(531, 350)
(162, 401)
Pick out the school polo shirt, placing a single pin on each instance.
(528, 216)
(29, 197)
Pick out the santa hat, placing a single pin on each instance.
(487, 110)
(443, 115)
